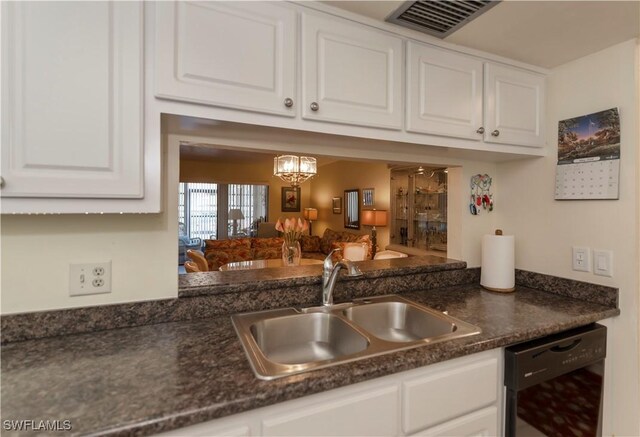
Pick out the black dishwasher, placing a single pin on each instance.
(554, 384)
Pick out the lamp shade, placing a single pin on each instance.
(311, 214)
(374, 217)
(236, 214)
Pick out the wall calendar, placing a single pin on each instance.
(589, 157)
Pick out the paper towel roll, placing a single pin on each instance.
(498, 263)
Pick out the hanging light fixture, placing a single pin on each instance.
(293, 169)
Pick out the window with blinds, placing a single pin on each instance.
(252, 200)
(203, 208)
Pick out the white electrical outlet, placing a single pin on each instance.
(581, 259)
(90, 278)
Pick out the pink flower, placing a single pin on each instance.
(279, 226)
(292, 228)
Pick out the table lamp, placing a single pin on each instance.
(310, 214)
(374, 217)
(235, 215)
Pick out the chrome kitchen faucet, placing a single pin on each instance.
(330, 275)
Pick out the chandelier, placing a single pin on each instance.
(293, 169)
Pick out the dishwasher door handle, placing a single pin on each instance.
(568, 347)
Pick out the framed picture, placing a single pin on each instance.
(367, 197)
(337, 205)
(290, 199)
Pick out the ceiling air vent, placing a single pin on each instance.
(439, 18)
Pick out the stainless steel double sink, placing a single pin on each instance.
(287, 341)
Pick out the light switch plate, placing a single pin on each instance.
(581, 259)
(603, 262)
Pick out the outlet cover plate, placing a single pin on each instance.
(581, 259)
(89, 278)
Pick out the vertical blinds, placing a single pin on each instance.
(200, 205)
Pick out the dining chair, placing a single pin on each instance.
(198, 257)
(191, 267)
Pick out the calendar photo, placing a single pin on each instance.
(589, 156)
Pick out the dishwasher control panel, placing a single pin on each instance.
(530, 363)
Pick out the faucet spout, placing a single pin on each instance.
(330, 276)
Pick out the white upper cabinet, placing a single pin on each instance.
(444, 92)
(239, 55)
(72, 100)
(513, 106)
(351, 73)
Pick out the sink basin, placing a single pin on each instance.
(399, 321)
(288, 341)
(305, 338)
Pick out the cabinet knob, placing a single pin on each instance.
(314, 106)
(480, 130)
(495, 133)
(288, 102)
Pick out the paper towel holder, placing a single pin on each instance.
(498, 289)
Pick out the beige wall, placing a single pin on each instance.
(250, 173)
(37, 250)
(546, 229)
(334, 178)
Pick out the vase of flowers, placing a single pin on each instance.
(292, 230)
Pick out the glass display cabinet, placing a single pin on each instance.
(419, 208)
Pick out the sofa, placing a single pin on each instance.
(220, 252)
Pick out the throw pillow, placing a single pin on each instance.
(310, 243)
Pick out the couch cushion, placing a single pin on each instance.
(310, 243)
(331, 236)
(267, 248)
(216, 258)
(264, 243)
(236, 243)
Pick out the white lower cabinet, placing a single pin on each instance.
(458, 397)
(461, 388)
(479, 423)
(370, 413)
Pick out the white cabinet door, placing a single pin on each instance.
(72, 108)
(514, 105)
(369, 413)
(444, 92)
(351, 73)
(482, 423)
(467, 386)
(234, 54)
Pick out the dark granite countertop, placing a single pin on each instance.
(207, 283)
(144, 380)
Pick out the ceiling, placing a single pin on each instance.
(211, 152)
(542, 33)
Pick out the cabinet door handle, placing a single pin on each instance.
(495, 133)
(314, 106)
(1, 182)
(480, 130)
(288, 102)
